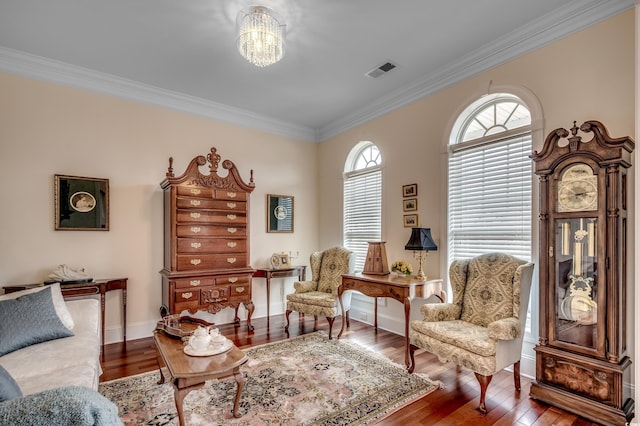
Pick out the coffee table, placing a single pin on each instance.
(190, 372)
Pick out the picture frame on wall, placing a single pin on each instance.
(410, 190)
(280, 213)
(410, 205)
(81, 203)
(410, 220)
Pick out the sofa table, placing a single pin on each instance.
(268, 273)
(404, 290)
(100, 287)
(191, 372)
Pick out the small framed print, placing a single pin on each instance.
(81, 203)
(410, 190)
(280, 261)
(410, 220)
(410, 205)
(279, 213)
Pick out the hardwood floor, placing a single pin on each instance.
(455, 404)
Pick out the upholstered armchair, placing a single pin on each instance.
(483, 328)
(320, 295)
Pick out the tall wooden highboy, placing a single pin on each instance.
(581, 358)
(206, 239)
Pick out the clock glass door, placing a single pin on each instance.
(576, 286)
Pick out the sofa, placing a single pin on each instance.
(50, 360)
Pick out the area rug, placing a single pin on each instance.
(305, 380)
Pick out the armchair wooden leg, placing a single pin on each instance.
(346, 314)
(315, 323)
(330, 325)
(484, 384)
(412, 365)
(516, 375)
(286, 314)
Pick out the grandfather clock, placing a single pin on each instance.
(581, 358)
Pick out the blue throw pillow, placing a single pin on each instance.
(9, 389)
(28, 320)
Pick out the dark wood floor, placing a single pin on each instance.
(454, 405)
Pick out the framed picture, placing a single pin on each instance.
(280, 261)
(81, 203)
(410, 220)
(410, 190)
(410, 205)
(279, 213)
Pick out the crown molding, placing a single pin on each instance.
(562, 22)
(24, 64)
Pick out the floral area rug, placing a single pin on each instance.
(305, 380)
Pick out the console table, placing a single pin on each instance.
(87, 289)
(404, 290)
(268, 273)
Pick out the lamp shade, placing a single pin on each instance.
(421, 240)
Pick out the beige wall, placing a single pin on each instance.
(588, 75)
(46, 129)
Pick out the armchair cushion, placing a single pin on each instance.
(459, 334)
(489, 293)
(317, 298)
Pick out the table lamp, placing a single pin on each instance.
(421, 243)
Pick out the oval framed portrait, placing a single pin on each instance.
(82, 202)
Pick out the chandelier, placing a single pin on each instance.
(260, 36)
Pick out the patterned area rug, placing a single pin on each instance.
(305, 380)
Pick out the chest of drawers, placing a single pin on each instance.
(206, 239)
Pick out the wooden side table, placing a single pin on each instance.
(404, 290)
(268, 273)
(190, 372)
(100, 287)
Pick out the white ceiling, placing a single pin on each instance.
(182, 54)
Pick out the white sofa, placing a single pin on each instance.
(68, 361)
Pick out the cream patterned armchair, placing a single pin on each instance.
(320, 295)
(482, 329)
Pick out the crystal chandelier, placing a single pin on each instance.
(260, 36)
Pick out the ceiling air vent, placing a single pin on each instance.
(382, 69)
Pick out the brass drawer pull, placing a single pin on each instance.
(186, 295)
(195, 261)
(239, 289)
(196, 245)
(233, 279)
(196, 229)
(195, 215)
(231, 205)
(232, 194)
(231, 216)
(195, 191)
(195, 202)
(231, 260)
(232, 230)
(231, 244)
(195, 282)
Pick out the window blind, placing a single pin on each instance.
(490, 199)
(362, 221)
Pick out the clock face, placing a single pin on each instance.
(577, 189)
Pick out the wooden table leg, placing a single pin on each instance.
(340, 291)
(268, 279)
(240, 381)
(407, 314)
(179, 395)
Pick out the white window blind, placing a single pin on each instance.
(490, 198)
(362, 221)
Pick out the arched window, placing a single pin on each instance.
(362, 215)
(489, 195)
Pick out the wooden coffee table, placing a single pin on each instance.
(190, 372)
